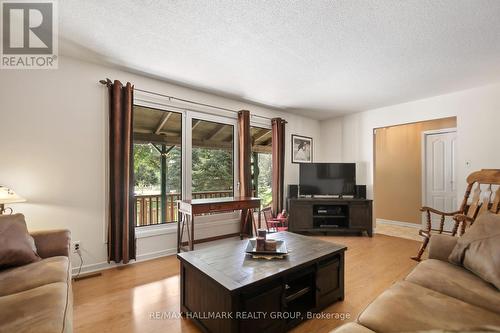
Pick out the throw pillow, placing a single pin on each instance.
(478, 249)
(17, 247)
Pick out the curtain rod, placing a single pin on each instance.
(107, 82)
(167, 107)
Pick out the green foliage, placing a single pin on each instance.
(146, 166)
(265, 179)
(212, 170)
(174, 171)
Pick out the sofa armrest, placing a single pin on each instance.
(51, 243)
(440, 246)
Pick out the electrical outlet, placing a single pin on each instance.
(76, 246)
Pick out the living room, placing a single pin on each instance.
(153, 146)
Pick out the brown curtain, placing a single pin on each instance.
(121, 229)
(278, 137)
(244, 162)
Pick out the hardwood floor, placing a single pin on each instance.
(122, 299)
(398, 231)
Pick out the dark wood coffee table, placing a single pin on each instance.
(225, 290)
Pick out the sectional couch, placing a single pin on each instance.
(37, 297)
(436, 295)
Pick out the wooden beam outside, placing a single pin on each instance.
(218, 129)
(268, 142)
(176, 141)
(196, 123)
(262, 149)
(147, 131)
(213, 144)
(169, 149)
(261, 135)
(156, 138)
(162, 122)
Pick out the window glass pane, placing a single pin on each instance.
(212, 159)
(262, 164)
(157, 165)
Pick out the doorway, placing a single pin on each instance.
(439, 181)
(399, 170)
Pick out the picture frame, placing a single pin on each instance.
(302, 149)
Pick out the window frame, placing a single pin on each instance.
(190, 115)
(158, 229)
(157, 103)
(260, 123)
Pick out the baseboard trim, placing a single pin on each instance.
(102, 266)
(93, 268)
(399, 223)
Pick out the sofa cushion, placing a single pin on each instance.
(52, 243)
(441, 246)
(352, 328)
(17, 247)
(455, 281)
(44, 309)
(478, 249)
(50, 270)
(409, 307)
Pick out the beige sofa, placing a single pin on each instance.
(436, 295)
(37, 297)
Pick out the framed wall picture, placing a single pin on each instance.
(302, 149)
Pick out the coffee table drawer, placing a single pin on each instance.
(328, 280)
(267, 301)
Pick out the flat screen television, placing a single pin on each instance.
(327, 178)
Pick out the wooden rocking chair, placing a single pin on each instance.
(482, 200)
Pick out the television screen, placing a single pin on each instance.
(327, 178)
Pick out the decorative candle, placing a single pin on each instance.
(262, 233)
(270, 245)
(261, 244)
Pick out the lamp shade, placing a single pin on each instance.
(8, 196)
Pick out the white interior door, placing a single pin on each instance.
(440, 176)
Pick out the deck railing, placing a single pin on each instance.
(149, 210)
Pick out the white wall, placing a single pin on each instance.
(53, 134)
(478, 115)
(331, 141)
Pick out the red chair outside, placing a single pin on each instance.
(274, 224)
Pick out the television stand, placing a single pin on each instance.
(326, 196)
(330, 215)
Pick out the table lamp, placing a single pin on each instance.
(8, 196)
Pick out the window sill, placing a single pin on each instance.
(201, 222)
(156, 230)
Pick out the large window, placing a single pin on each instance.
(157, 165)
(262, 164)
(212, 159)
(187, 154)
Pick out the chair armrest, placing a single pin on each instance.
(440, 246)
(462, 218)
(51, 243)
(438, 212)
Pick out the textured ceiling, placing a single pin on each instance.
(319, 58)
